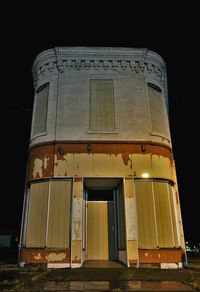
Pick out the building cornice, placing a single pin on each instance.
(66, 58)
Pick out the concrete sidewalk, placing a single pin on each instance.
(114, 286)
(13, 278)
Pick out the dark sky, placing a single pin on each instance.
(172, 31)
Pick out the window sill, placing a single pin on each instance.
(38, 135)
(101, 132)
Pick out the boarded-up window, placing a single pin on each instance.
(40, 110)
(146, 216)
(157, 111)
(102, 114)
(37, 215)
(157, 224)
(163, 215)
(48, 223)
(59, 214)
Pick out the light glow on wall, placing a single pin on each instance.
(145, 175)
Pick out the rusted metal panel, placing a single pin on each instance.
(161, 256)
(41, 160)
(39, 255)
(113, 148)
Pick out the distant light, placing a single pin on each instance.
(145, 175)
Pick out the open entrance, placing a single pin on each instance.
(104, 218)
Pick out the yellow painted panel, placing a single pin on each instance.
(142, 163)
(122, 166)
(102, 165)
(37, 215)
(145, 215)
(161, 167)
(59, 214)
(64, 166)
(173, 213)
(83, 164)
(97, 231)
(164, 224)
(132, 250)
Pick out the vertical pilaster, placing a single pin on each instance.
(131, 222)
(76, 233)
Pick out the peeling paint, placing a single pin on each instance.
(77, 226)
(37, 170)
(53, 257)
(45, 162)
(126, 159)
(38, 256)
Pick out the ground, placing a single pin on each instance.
(13, 278)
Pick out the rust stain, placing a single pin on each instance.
(114, 148)
(39, 255)
(77, 179)
(55, 257)
(161, 256)
(126, 159)
(41, 162)
(42, 158)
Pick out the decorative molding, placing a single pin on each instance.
(140, 61)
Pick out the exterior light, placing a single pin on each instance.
(145, 175)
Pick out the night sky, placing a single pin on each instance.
(173, 32)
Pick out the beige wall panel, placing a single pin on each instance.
(145, 215)
(165, 228)
(97, 231)
(37, 215)
(59, 215)
(102, 165)
(83, 164)
(132, 250)
(64, 166)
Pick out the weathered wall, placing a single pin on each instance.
(68, 70)
(114, 160)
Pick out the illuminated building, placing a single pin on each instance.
(101, 181)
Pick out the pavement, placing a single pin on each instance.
(13, 278)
